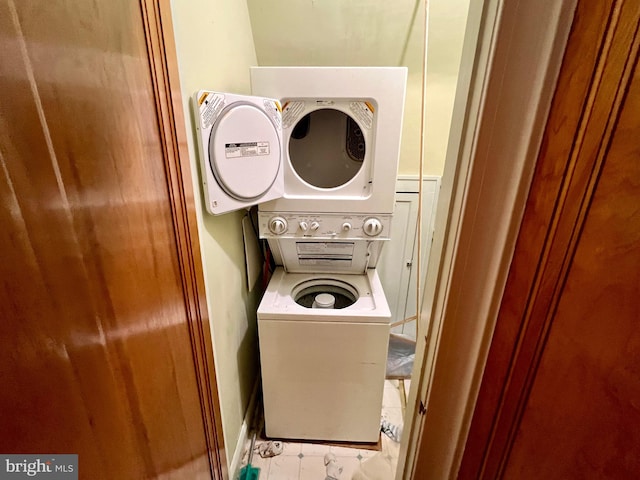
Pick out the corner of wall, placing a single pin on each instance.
(447, 24)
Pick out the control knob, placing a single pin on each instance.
(346, 226)
(314, 226)
(372, 227)
(278, 225)
(304, 226)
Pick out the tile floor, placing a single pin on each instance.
(305, 461)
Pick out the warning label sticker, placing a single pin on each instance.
(291, 112)
(273, 110)
(211, 104)
(246, 149)
(363, 111)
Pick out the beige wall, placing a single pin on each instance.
(447, 23)
(215, 49)
(411, 127)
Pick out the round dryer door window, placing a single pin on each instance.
(244, 151)
(327, 148)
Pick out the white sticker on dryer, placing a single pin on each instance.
(290, 113)
(273, 110)
(246, 149)
(211, 104)
(363, 111)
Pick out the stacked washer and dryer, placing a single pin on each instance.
(317, 149)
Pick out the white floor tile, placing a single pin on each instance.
(367, 453)
(314, 449)
(291, 448)
(312, 468)
(349, 466)
(284, 468)
(390, 448)
(393, 415)
(391, 396)
(379, 466)
(390, 383)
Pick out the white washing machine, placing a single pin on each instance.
(318, 152)
(323, 369)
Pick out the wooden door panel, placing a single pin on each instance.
(582, 413)
(557, 398)
(97, 356)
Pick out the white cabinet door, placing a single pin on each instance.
(395, 264)
(397, 267)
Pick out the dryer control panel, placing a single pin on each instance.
(326, 226)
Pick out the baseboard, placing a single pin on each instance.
(245, 431)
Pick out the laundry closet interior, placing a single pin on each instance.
(307, 142)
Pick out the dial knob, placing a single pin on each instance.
(314, 226)
(304, 226)
(278, 225)
(372, 227)
(346, 226)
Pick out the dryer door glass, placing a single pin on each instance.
(327, 148)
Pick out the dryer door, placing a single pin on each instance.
(240, 146)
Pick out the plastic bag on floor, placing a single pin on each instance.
(402, 353)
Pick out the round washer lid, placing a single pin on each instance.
(244, 151)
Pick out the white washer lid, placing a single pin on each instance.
(244, 151)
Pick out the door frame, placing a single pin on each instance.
(596, 72)
(163, 63)
(507, 78)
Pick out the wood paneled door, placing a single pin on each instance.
(105, 349)
(560, 395)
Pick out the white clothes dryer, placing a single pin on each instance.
(317, 139)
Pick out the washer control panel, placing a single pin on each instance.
(324, 225)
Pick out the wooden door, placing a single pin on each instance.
(103, 326)
(560, 396)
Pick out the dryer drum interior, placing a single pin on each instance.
(327, 148)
